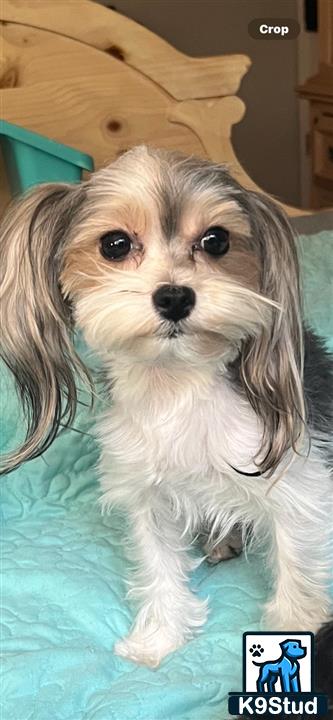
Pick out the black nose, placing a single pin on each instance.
(174, 302)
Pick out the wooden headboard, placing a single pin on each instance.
(88, 77)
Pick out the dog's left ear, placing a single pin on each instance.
(35, 319)
(272, 362)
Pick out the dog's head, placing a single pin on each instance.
(293, 649)
(160, 259)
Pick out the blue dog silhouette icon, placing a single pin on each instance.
(286, 668)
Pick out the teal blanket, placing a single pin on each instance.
(64, 589)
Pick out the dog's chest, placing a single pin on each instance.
(187, 434)
(208, 435)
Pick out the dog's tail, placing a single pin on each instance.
(324, 660)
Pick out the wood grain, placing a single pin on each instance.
(181, 76)
(92, 79)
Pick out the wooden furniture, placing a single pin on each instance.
(319, 91)
(88, 77)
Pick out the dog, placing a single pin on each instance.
(286, 668)
(186, 285)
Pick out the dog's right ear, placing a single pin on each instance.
(36, 321)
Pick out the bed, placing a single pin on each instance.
(90, 78)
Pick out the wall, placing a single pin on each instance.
(307, 66)
(267, 140)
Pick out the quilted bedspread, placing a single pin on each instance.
(64, 590)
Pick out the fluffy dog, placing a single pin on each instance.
(187, 286)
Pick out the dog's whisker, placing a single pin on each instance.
(74, 429)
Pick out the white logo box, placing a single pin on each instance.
(267, 649)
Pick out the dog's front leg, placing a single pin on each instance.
(300, 550)
(294, 684)
(301, 599)
(285, 682)
(168, 611)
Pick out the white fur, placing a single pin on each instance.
(167, 457)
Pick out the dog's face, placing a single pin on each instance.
(163, 264)
(293, 649)
(160, 259)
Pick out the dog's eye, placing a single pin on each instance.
(115, 245)
(215, 241)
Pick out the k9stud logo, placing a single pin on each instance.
(276, 662)
(278, 676)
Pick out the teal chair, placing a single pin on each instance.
(31, 159)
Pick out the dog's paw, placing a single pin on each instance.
(154, 636)
(256, 650)
(149, 646)
(230, 547)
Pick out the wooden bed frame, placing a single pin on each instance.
(88, 77)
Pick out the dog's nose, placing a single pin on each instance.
(174, 302)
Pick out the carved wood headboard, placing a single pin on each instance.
(88, 77)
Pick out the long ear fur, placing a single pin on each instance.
(271, 367)
(35, 320)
